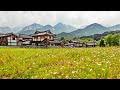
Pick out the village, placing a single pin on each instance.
(40, 39)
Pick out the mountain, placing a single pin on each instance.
(30, 29)
(47, 27)
(92, 29)
(60, 27)
(17, 29)
(116, 27)
(63, 30)
(5, 30)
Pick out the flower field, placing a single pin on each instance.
(60, 63)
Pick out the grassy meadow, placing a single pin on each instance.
(60, 63)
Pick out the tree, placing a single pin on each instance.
(115, 39)
(62, 38)
(102, 43)
(108, 39)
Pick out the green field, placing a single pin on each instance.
(60, 63)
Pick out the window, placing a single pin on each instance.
(13, 38)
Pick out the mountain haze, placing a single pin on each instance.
(58, 28)
(30, 29)
(91, 29)
(5, 30)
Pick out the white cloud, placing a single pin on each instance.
(75, 18)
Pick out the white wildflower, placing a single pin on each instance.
(94, 56)
(98, 64)
(103, 69)
(66, 77)
(90, 69)
(68, 62)
(73, 72)
(55, 72)
(33, 63)
(62, 66)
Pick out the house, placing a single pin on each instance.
(78, 44)
(8, 39)
(54, 42)
(44, 37)
(24, 39)
(89, 44)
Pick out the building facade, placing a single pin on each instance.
(9, 39)
(41, 38)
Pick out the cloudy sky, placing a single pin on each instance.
(75, 18)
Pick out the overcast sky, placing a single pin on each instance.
(75, 18)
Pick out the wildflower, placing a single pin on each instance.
(9, 57)
(98, 64)
(82, 58)
(66, 77)
(90, 69)
(55, 72)
(62, 66)
(1, 63)
(103, 69)
(73, 72)
(33, 63)
(71, 64)
(107, 62)
(30, 68)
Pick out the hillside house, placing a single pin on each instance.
(8, 39)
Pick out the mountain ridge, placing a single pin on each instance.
(62, 30)
(91, 29)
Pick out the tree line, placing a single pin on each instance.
(110, 40)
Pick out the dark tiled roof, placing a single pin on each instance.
(48, 32)
(8, 34)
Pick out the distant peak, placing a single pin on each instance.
(95, 24)
(48, 25)
(60, 23)
(34, 24)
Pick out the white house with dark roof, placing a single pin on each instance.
(45, 37)
(8, 39)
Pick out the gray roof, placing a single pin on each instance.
(55, 41)
(25, 36)
(4, 35)
(90, 43)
